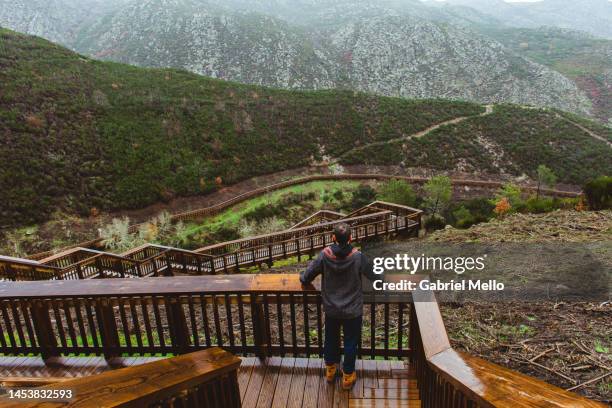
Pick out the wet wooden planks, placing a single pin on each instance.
(275, 382)
(32, 371)
(299, 383)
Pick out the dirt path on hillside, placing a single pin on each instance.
(424, 132)
(587, 131)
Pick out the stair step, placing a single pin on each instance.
(379, 403)
(391, 393)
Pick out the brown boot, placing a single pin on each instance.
(330, 372)
(348, 380)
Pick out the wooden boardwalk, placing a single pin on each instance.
(299, 382)
(276, 382)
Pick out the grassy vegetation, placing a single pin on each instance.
(290, 205)
(80, 134)
(523, 139)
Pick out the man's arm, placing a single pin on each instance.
(314, 269)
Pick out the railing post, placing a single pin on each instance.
(108, 328)
(270, 261)
(120, 268)
(259, 327)
(154, 263)
(100, 268)
(11, 274)
(79, 271)
(184, 262)
(43, 328)
(179, 332)
(168, 271)
(297, 246)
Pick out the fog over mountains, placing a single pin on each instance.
(405, 48)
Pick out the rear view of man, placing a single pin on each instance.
(342, 267)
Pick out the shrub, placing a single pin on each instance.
(116, 236)
(434, 222)
(362, 196)
(265, 226)
(598, 193)
(463, 218)
(480, 208)
(539, 205)
(502, 207)
(398, 192)
(512, 193)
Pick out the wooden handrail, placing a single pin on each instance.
(266, 314)
(208, 375)
(191, 306)
(448, 378)
(321, 215)
(292, 233)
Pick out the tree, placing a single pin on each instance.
(546, 177)
(398, 192)
(438, 193)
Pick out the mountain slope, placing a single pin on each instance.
(583, 58)
(76, 133)
(591, 16)
(370, 48)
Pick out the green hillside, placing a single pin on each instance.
(511, 140)
(78, 134)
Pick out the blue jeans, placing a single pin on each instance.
(352, 338)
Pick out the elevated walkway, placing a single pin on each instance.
(377, 219)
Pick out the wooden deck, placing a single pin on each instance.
(275, 382)
(299, 382)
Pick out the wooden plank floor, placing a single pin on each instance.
(33, 370)
(275, 382)
(299, 382)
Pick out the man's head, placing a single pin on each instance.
(342, 234)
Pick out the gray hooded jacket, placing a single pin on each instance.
(341, 284)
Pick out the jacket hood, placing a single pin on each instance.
(341, 251)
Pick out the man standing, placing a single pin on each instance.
(342, 267)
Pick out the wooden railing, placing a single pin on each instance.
(245, 314)
(319, 217)
(17, 269)
(380, 219)
(255, 314)
(451, 379)
(218, 208)
(206, 378)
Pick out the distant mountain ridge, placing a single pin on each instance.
(404, 48)
(373, 49)
(591, 16)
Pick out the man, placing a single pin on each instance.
(342, 267)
